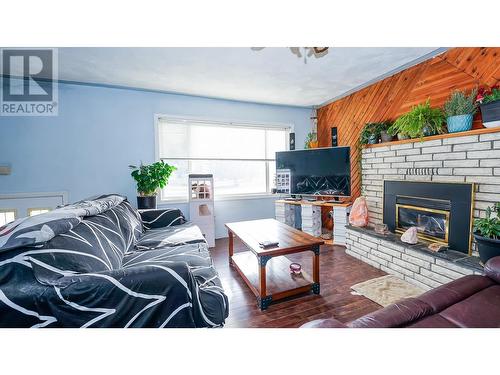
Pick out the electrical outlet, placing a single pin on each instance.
(4, 170)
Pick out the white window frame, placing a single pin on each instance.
(289, 127)
(7, 210)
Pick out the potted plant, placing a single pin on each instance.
(421, 121)
(149, 179)
(489, 102)
(370, 134)
(311, 140)
(384, 135)
(487, 234)
(459, 110)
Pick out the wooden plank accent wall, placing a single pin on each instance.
(457, 68)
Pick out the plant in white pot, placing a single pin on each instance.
(459, 110)
(489, 102)
(149, 179)
(487, 234)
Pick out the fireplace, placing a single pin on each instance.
(432, 224)
(442, 212)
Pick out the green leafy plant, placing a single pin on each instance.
(151, 177)
(372, 129)
(311, 137)
(460, 104)
(422, 120)
(489, 226)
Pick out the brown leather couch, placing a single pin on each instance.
(471, 301)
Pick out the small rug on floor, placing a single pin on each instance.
(386, 290)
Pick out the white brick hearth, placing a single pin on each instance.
(409, 262)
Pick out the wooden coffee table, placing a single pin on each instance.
(267, 271)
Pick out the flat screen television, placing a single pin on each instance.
(314, 172)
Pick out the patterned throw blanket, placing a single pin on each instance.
(38, 229)
(91, 264)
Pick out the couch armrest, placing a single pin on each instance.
(399, 314)
(492, 269)
(160, 218)
(324, 323)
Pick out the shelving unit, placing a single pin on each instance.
(201, 205)
(310, 213)
(434, 137)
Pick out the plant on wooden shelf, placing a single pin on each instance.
(487, 233)
(149, 179)
(489, 102)
(459, 110)
(311, 140)
(421, 121)
(370, 134)
(384, 133)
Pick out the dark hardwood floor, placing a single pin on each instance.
(338, 272)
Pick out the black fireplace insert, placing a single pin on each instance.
(442, 212)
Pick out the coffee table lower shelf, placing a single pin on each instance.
(279, 283)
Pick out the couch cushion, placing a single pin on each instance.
(183, 234)
(208, 295)
(481, 310)
(455, 291)
(98, 243)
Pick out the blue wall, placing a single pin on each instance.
(99, 131)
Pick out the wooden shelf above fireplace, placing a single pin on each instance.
(439, 136)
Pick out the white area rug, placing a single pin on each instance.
(386, 290)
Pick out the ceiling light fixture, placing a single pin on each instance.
(304, 52)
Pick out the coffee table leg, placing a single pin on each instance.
(263, 300)
(315, 286)
(231, 246)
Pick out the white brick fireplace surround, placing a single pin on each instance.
(466, 157)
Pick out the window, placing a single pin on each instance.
(37, 211)
(240, 156)
(6, 216)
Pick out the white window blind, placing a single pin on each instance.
(240, 156)
(6, 216)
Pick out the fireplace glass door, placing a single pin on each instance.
(432, 224)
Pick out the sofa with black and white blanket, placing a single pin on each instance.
(101, 263)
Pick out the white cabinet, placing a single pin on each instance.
(201, 205)
(339, 224)
(311, 220)
(285, 213)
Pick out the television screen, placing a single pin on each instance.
(320, 171)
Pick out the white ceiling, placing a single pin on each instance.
(271, 75)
